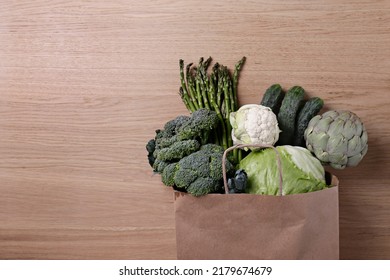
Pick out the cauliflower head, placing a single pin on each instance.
(254, 124)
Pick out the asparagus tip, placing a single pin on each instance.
(189, 65)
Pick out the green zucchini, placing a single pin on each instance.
(287, 116)
(311, 108)
(273, 98)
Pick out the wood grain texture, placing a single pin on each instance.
(84, 84)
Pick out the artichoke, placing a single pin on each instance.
(337, 138)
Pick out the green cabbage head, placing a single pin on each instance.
(302, 172)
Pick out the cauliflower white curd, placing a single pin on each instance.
(254, 124)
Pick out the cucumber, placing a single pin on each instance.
(288, 112)
(311, 108)
(273, 98)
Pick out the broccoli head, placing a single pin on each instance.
(199, 125)
(180, 137)
(178, 150)
(167, 136)
(199, 173)
(172, 126)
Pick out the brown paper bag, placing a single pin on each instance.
(248, 226)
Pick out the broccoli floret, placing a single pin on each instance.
(166, 137)
(171, 126)
(165, 142)
(212, 148)
(167, 175)
(183, 177)
(216, 166)
(202, 186)
(200, 172)
(190, 168)
(159, 165)
(178, 150)
(199, 125)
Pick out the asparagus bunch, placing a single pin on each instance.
(216, 91)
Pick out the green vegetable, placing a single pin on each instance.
(217, 91)
(311, 108)
(168, 174)
(288, 113)
(199, 173)
(237, 184)
(165, 137)
(180, 137)
(150, 147)
(178, 150)
(273, 98)
(301, 171)
(159, 165)
(337, 138)
(199, 125)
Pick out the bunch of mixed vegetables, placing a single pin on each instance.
(188, 151)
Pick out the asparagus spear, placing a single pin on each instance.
(184, 91)
(217, 91)
(236, 73)
(237, 153)
(190, 86)
(185, 101)
(227, 97)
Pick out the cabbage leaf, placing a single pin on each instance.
(301, 171)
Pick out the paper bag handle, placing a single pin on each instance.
(240, 146)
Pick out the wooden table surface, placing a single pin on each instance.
(84, 84)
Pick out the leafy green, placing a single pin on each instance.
(301, 171)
